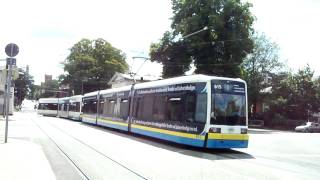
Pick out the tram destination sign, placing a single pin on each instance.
(228, 87)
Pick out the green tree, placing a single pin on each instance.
(92, 63)
(174, 56)
(299, 94)
(222, 42)
(22, 86)
(35, 92)
(259, 66)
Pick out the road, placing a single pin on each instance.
(80, 151)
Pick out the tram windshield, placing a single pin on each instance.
(228, 104)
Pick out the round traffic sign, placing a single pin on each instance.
(12, 50)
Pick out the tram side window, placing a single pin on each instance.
(60, 106)
(71, 107)
(124, 108)
(77, 107)
(146, 108)
(159, 108)
(169, 107)
(107, 107)
(41, 106)
(143, 107)
(175, 108)
(137, 107)
(190, 107)
(201, 108)
(74, 107)
(100, 110)
(65, 107)
(52, 106)
(90, 106)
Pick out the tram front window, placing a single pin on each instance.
(228, 109)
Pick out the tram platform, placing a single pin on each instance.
(28, 153)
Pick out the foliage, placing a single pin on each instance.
(93, 63)
(22, 86)
(300, 94)
(221, 42)
(35, 92)
(259, 66)
(174, 56)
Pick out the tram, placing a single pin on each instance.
(67, 107)
(63, 107)
(74, 109)
(197, 110)
(48, 106)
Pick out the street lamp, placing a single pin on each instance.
(83, 80)
(134, 74)
(196, 32)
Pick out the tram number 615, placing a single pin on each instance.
(217, 86)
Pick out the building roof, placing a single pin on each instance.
(121, 77)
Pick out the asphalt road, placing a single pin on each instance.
(90, 152)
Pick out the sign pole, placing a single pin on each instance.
(8, 96)
(11, 50)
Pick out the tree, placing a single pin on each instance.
(299, 94)
(92, 62)
(174, 56)
(296, 95)
(223, 38)
(35, 92)
(261, 64)
(22, 86)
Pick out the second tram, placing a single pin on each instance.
(48, 106)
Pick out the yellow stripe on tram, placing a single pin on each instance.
(174, 133)
(88, 118)
(242, 137)
(112, 122)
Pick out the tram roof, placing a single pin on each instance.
(165, 82)
(119, 89)
(48, 100)
(183, 79)
(63, 100)
(76, 98)
(95, 93)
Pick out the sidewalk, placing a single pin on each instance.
(21, 157)
(265, 131)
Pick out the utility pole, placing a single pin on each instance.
(11, 50)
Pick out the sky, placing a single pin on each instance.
(45, 30)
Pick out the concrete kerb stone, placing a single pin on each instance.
(21, 158)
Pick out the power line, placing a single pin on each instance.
(202, 64)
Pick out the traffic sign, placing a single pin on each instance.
(12, 50)
(13, 61)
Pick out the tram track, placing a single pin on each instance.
(221, 155)
(85, 176)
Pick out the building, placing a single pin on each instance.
(47, 78)
(119, 79)
(3, 76)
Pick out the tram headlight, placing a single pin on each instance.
(244, 130)
(215, 130)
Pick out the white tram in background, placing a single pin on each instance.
(48, 106)
(75, 106)
(63, 107)
(67, 107)
(197, 110)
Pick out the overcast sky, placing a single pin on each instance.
(45, 30)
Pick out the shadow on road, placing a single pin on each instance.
(209, 154)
